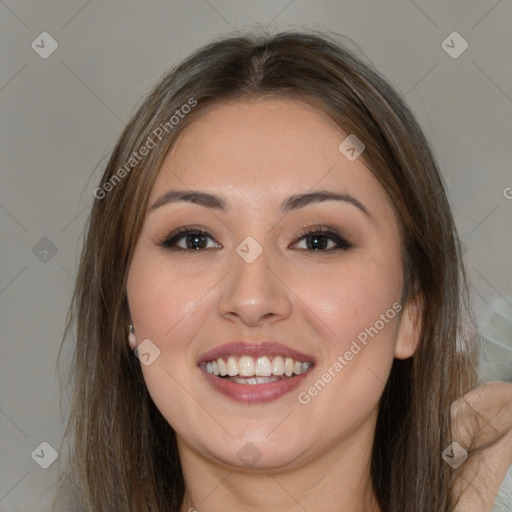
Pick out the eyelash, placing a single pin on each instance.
(170, 242)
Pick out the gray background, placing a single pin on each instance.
(61, 116)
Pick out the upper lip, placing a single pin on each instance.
(264, 348)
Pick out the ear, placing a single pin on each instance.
(409, 328)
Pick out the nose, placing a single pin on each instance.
(255, 293)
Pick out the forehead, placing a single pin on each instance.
(264, 148)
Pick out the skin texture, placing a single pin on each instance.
(256, 154)
(480, 417)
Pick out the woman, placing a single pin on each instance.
(272, 240)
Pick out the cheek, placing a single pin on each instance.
(357, 308)
(353, 297)
(163, 300)
(169, 308)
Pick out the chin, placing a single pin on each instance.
(254, 452)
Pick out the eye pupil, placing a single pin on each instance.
(317, 242)
(196, 241)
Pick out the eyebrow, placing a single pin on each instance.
(294, 202)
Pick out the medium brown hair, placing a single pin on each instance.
(124, 455)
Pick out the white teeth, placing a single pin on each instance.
(288, 366)
(305, 366)
(254, 380)
(265, 380)
(263, 367)
(245, 381)
(223, 369)
(260, 368)
(232, 367)
(246, 366)
(278, 366)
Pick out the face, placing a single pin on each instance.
(262, 277)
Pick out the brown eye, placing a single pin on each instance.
(323, 240)
(189, 239)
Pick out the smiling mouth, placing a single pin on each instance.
(256, 370)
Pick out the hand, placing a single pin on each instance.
(481, 418)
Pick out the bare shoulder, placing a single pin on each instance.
(482, 426)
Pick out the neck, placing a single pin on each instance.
(338, 479)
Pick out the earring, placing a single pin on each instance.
(131, 338)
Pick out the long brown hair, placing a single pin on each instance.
(124, 454)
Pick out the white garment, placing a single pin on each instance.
(503, 501)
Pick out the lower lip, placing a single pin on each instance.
(255, 393)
